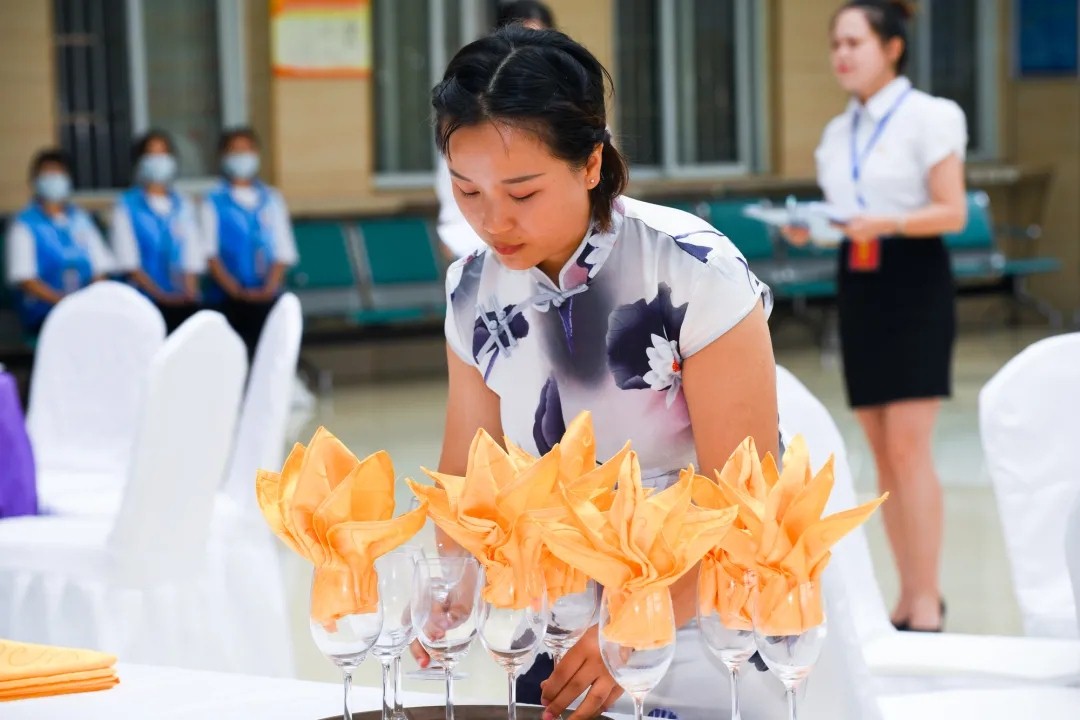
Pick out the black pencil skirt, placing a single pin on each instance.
(898, 323)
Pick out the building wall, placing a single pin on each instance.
(27, 97)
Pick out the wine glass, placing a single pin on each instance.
(396, 570)
(728, 635)
(431, 544)
(445, 604)
(790, 652)
(345, 640)
(571, 616)
(638, 670)
(512, 635)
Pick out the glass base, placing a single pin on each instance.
(434, 674)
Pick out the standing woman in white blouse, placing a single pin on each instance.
(893, 163)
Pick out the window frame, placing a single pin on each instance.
(987, 67)
(751, 93)
(232, 76)
(471, 14)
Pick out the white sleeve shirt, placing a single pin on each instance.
(186, 230)
(275, 214)
(922, 131)
(21, 249)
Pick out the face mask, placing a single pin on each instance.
(240, 165)
(53, 186)
(158, 169)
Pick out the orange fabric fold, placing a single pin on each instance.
(28, 670)
(337, 512)
(637, 545)
(779, 535)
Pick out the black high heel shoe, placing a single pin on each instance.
(905, 625)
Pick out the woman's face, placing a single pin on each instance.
(530, 207)
(157, 146)
(861, 62)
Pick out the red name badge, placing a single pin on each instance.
(865, 256)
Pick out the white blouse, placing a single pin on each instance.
(921, 131)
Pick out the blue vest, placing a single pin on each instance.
(245, 239)
(159, 239)
(63, 263)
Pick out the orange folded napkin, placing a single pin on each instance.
(639, 545)
(780, 535)
(485, 512)
(28, 670)
(338, 513)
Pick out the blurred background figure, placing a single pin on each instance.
(892, 167)
(249, 237)
(155, 234)
(457, 236)
(53, 246)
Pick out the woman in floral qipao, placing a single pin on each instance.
(587, 300)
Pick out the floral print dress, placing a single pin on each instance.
(631, 305)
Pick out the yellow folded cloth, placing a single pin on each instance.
(640, 544)
(780, 536)
(28, 670)
(337, 512)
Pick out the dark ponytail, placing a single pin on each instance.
(888, 19)
(543, 82)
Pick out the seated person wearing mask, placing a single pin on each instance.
(155, 234)
(53, 247)
(249, 237)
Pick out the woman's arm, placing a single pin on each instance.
(730, 389)
(946, 212)
(38, 289)
(471, 405)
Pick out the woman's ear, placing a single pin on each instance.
(894, 48)
(593, 166)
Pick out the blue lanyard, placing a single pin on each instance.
(859, 159)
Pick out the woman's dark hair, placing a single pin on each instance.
(235, 133)
(49, 156)
(524, 11)
(540, 81)
(138, 148)
(888, 19)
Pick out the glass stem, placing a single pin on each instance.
(557, 656)
(347, 672)
(639, 707)
(791, 712)
(511, 703)
(387, 688)
(735, 714)
(399, 711)
(448, 667)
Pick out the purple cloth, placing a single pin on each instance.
(18, 493)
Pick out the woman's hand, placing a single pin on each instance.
(865, 228)
(581, 669)
(797, 235)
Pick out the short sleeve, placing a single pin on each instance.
(21, 254)
(193, 257)
(102, 261)
(208, 220)
(723, 291)
(456, 313)
(122, 239)
(282, 229)
(945, 133)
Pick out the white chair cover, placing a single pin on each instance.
(90, 370)
(1029, 418)
(144, 586)
(1072, 552)
(910, 662)
(264, 416)
(803, 414)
